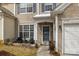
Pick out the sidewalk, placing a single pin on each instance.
(43, 51)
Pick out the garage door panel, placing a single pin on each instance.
(71, 42)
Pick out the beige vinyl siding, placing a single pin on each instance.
(9, 6)
(24, 18)
(71, 11)
(9, 28)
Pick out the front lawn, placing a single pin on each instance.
(6, 50)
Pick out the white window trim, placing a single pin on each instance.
(47, 11)
(28, 12)
(56, 23)
(49, 32)
(25, 31)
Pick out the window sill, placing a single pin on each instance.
(27, 13)
(45, 12)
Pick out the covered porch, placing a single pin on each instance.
(44, 33)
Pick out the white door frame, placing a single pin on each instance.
(67, 21)
(49, 31)
(56, 32)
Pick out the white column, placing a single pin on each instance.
(38, 8)
(35, 31)
(2, 26)
(56, 23)
(14, 8)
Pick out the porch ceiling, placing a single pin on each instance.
(46, 23)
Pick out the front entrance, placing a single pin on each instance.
(46, 35)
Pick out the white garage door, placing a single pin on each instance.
(71, 42)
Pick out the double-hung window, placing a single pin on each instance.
(26, 32)
(29, 7)
(47, 7)
(22, 8)
(26, 7)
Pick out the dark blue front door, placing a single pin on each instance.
(46, 35)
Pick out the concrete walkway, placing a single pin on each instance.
(43, 51)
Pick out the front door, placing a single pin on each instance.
(46, 35)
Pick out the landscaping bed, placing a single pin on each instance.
(17, 50)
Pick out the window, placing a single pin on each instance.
(22, 8)
(26, 7)
(26, 32)
(29, 7)
(31, 28)
(47, 6)
(26, 27)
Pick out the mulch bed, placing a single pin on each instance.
(4, 53)
(17, 46)
(54, 53)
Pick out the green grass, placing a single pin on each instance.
(18, 51)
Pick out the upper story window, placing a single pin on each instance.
(22, 8)
(26, 7)
(47, 6)
(29, 7)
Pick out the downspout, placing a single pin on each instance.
(56, 23)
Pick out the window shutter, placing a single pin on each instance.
(34, 7)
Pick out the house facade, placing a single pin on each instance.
(7, 25)
(34, 20)
(66, 18)
(43, 22)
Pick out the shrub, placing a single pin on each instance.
(31, 41)
(1, 43)
(51, 46)
(55, 53)
(8, 42)
(19, 40)
(36, 45)
(26, 41)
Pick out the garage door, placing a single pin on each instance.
(71, 39)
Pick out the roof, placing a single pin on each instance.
(60, 8)
(4, 10)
